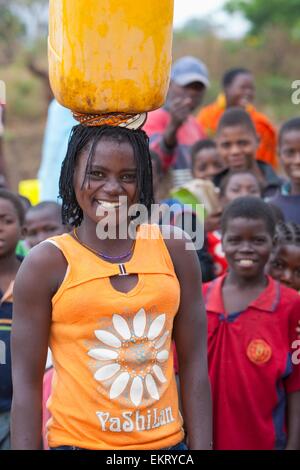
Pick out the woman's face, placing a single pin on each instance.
(110, 183)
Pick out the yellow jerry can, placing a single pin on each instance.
(110, 56)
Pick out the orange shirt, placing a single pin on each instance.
(114, 384)
(210, 116)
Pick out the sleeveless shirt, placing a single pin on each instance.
(114, 385)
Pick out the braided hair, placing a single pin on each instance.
(287, 234)
(87, 138)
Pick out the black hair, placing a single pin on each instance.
(249, 207)
(290, 125)
(156, 158)
(15, 200)
(287, 234)
(225, 181)
(25, 201)
(84, 138)
(233, 117)
(231, 74)
(277, 213)
(46, 205)
(201, 145)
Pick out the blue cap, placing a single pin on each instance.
(188, 70)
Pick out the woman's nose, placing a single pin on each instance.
(112, 186)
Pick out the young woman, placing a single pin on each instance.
(110, 307)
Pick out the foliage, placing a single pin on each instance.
(11, 30)
(261, 14)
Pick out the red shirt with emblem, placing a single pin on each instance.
(253, 358)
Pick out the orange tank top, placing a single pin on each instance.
(114, 385)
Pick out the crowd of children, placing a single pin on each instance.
(253, 304)
(250, 256)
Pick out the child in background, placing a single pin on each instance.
(237, 144)
(206, 162)
(178, 211)
(238, 184)
(284, 265)
(235, 184)
(288, 198)
(43, 221)
(11, 230)
(252, 322)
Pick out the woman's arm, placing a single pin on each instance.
(293, 410)
(190, 334)
(36, 283)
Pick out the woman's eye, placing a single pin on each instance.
(96, 174)
(128, 178)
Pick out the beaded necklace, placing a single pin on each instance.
(103, 255)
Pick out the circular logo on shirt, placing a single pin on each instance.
(259, 351)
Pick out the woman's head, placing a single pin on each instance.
(248, 229)
(206, 161)
(284, 264)
(237, 141)
(103, 164)
(239, 184)
(12, 216)
(238, 86)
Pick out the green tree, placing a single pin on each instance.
(11, 30)
(264, 13)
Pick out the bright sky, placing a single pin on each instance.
(186, 9)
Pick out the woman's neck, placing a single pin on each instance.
(114, 243)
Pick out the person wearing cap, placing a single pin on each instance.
(173, 129)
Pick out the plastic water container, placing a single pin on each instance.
(108, 56)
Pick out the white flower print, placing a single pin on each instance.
(136, 360)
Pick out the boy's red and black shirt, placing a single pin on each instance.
(252, 366)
